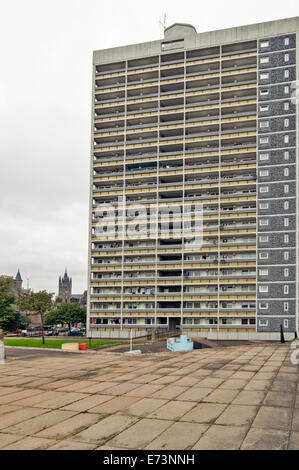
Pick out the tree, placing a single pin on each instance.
(67, 313)
(52, 318)
(9, 316)
(38, 303)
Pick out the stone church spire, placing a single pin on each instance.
(65, 287)
(18, 281)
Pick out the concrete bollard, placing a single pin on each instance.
(2, 350)
(70, 346)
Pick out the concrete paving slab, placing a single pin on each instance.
(270, 417)
(220, 437)
(204, 413)
(140, 434)
(189, 434)
(172, 410)
(106, 429)
(38, 423)
(265, 439)
(30, 443)
(70, 426)
(238, 415)
(144, 406)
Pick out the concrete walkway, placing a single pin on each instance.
(243, 397)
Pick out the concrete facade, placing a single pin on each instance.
(193, 119)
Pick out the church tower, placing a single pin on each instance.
(65, 287)
(18, 281)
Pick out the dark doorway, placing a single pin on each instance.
(174, 323)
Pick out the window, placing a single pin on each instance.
(264, 124)
(264, 108)
(264, 189)
(286, 139)
(286, 41)
(264, 222)
(286, 74)
(286, 323)
(286, 272)
(263, 289)
(286, 238)
(227, 305)
(263, 322)
(264, 43)
(286, 188)
(264, 60)
(264, 140)
(264, 76)
(264, 272)
(264, 156)
(286, 90)
(286, 106)
(286, 57)
(286, 255)
(286, 205)
(264, 239)
(286, 306)
(286, 155)
(286, 289)
(264, 172)
(264, 91)
(264, 256)
(286, 222)
(286, 172)
(286, 123)
(264, 205)
(264, 306)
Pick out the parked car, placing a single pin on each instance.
(17, 332)
(52, 333)
(75, 332)
(62, 330)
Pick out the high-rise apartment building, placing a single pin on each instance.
(204, 120)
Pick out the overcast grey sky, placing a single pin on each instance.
(45, 97)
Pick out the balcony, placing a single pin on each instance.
(129, 326)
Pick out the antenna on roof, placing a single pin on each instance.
(163, 24)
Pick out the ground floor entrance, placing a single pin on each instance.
(174, 323)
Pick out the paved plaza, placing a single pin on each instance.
(242, 397)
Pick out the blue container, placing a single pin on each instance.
(183, 343)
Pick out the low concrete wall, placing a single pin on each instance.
(243, 336)
(233, 336)
(115, 334)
